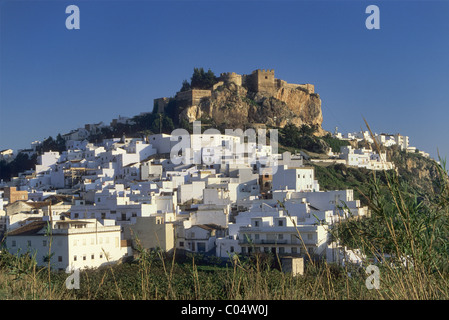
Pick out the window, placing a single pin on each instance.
(256, 236)
(294, 250)
(92, 256)
(76, 215)
(280, 236)
(256, 223)
(59, 258)
(13, 243)
(181, 243)
(201, 246)
(280, 223)
(74, 258)
(309, 236)
(232, 249)
(29, 243)
(44, 243)
(84, 257)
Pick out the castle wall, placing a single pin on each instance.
(160, 104)
(194, 96)
(231, 77)
(264, 80)
(310, 88)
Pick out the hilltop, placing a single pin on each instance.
(240, 101)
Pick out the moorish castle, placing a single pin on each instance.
(259, 80)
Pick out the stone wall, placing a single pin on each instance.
(160, 104)
(194, 96)
(310, 88)
(260, 80)
(231, 77)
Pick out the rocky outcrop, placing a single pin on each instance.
(234, 106)
(306, 107)
(420, 174)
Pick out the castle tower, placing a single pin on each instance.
(261, 80)
(231, 77)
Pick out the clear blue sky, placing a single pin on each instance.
(127, 53)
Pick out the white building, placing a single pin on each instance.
(401, 141)
(191, 191)
(46, 160)
(200, 238)
(295, 178)
(283, 235)
(75, 243)
(364, 158)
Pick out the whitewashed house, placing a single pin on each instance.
(295, 178)
(76, 243)
(46, 161)
(364, 158)
(200, 238)
(283, 235)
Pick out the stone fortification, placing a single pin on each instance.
(238, 100)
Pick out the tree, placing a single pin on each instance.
(20, 164)
(162, 123)
(60, 143)
(48, 144)
(185, 86)
(5, 170)
(202, 80)
(302, 138)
